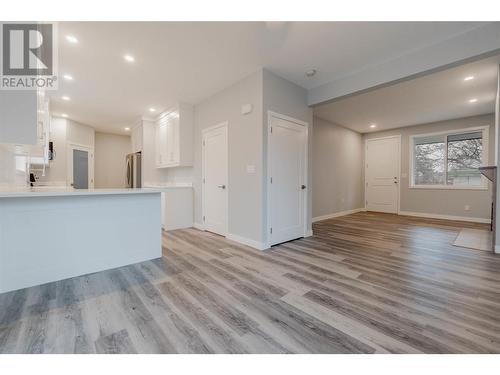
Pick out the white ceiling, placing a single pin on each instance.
(435, 97)
(187, 61)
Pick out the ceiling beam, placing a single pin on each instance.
(472, 45)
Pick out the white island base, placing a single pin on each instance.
(47, 236)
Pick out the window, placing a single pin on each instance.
(449, 160)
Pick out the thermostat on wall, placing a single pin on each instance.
(246, 109)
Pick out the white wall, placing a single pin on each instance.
(245, 138)
(444, 201)
(9, 177)
(337, 169)
(286, 98)
(110, 155)
(80, 134)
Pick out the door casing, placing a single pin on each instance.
(270, 116)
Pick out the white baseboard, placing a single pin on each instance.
(246, 241)
(445, 217)
(198, 226)
(309, 233)
(497, 249)
(336, 214)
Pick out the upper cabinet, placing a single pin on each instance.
(174, 137)
(18, 117)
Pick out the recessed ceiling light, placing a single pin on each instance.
(66, 98)
(472, 100)
(469, 78)
(373, 126)
(64, 115)
(152, 109)
(71, 39)
(311, 73)
(129, 58)
(127, 129)
(68, 77)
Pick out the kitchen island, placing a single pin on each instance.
(50, 234)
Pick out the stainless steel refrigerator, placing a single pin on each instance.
(134, 170)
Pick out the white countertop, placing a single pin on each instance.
(51, 191)
(168, 185)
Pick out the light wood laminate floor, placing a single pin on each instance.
(364, 283)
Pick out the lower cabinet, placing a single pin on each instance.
(177, 208)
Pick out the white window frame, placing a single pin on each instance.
(484, 162)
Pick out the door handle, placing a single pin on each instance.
(303, 187)
(221, 186)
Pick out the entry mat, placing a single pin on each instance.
(474, 239)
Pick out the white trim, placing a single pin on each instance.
(497, 249)
(248, 242)
(448, 187)
(198, 226)
(203, 135)
(309, 233)
(445, 217)
(286, 118)
(485, 129)
(271, 114)
(337, 214)
(399, 167)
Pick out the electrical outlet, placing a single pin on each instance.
(467, 207)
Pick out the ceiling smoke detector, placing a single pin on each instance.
(311, 73)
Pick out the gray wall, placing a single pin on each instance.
(337, 169)
(109, 155)
(245, 141)
(286, 98)
(442, 202)
(247, 138)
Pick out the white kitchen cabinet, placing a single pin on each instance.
(176, 206)
(18, 117)
(174, 137)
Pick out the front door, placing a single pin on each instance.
(382, 174)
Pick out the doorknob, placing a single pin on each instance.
(221, 186)
(303, 187)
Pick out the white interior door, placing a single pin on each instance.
(287, 185)
(382, 174)
(215, 179)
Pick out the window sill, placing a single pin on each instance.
(442, 187)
